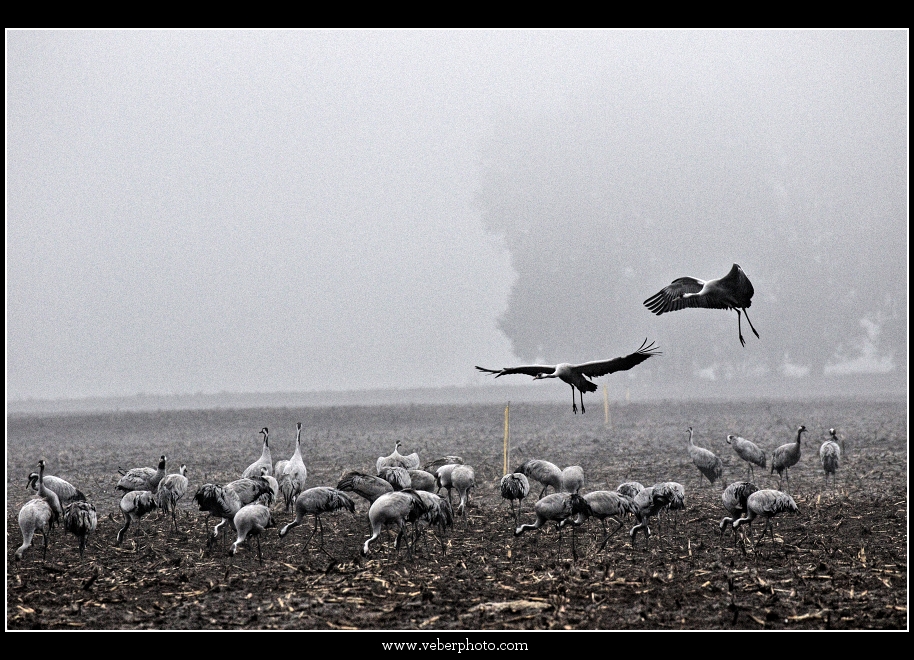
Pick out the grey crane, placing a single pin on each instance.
(749, 452)
(439, 514)
(80, 519)
(707, 462)
(34, 516)
(557, 507)
(830, 455)
(224, 501)
(734, 500)
(443, 478)
(397, 476)
(432, 466)
(463, 477)
(648, 503)
(171, 489)
(546, 473)
(316, 502)
(396, 459)
(422, 480)
(604, 504)
(732, 291)
(786, 456)
(268, 499)
(394, 509)
(266, 458)
(49, 495)
(294, 474)
(677, 501)
(579, 375)
(573, 479)
(766, 503)
(514, 487)
(251, 520)
(367, 486)
(630, 488)
(66, 492)
(142, 478)
(134, 505)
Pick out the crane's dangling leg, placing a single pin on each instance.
(574, 402)
(739, 325)
(582, 401)
(750, 322)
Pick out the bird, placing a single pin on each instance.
(604, 504)
(648, 503)
(34, 516)
(367, 486)
(439, 514)
(251, 520)
(830, 455)
(142, 478)
(268, 499)
(707, 462)
(734, 500)
(315, 502)
(394, 509)
(170, 490)
(514, 487)
(732, 291)
(578, 375)
(443, 478)
(546, 473)
(786, 456)
(66, 492)
(432, 466)
(766, 503)
(677, 501)
(749, 452)
(397, 476)
(630, 488)
(396, 459)
(294, 474)
(80, 519)
(422, 480)
(463, 477)
(572, 479)
(266, 458)
(49, 495)
(557, 507)
(224, 501)
(134, 505)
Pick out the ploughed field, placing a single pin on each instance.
(839, 563)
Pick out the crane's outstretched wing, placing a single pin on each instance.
(669, 298)
(624, 363)
(529, 370)
(739, 285)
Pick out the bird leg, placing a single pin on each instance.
(739, 326)
(750, 322)
(574, 402)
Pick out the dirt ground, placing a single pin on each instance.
(838, 564)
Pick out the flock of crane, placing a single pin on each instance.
(403, 493)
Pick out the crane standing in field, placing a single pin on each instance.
(830, 455)
(767, 504)
(734, 500)
(49, 495)
(579, 375)
(463, 477)
(649, 502)
(749, 452)
(732, 291)
(786, 456)
(251, 520)
(514, 487)
(266, 458)
(34, 516)
(66, 492)
(573, 479)
(171, 489)
(80, 519)
(316, 502)
(134, 505)
(294, 475)
(707, 462)
(142, 478)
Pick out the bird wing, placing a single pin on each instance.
(669, 298)
(739, 285)
(623, 363)
(528, 369)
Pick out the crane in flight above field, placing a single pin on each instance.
(578, 375)
(732, 291)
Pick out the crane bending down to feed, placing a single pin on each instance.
(734, 499)
(364, 485)
(604, 504)
(732, 291)
(80, 519)
(558, 507)
(573, 479)
(579, 375)
(767, 504)
(649, 502)
(225, 501)
(251, 520)
(548, 474)
(786, 456)
(515, 487)
(707, 462)
(142, 478)
(171, 489)
(749, 452)
(315, 502)
(396, 508)
(134, 505)
(830, 455)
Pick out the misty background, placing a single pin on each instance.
(221, 213)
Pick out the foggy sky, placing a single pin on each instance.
(265, 211)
